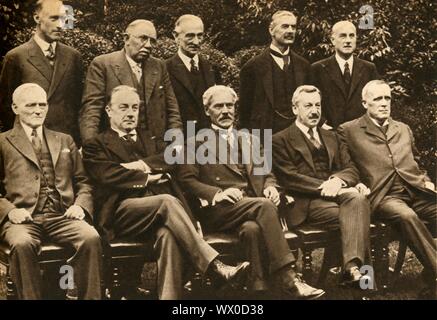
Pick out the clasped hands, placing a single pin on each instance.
(233, 195)
(335, 186)
(18, 216)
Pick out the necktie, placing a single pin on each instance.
(347, 76)
(313, 139)
(384, 129)
(36, 142)
(193, 66)
(51, 54)
(285, 58)
(138, 71)
(129, 137)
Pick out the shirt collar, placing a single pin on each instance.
(341, 62)
(121, 134)
(28, 130)
(305, 129)
(187, 60)
(132, 63)
(377, 124)
(44, 45)
(222, 131)
(275, 48)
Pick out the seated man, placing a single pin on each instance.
(135, 193)
(313, 166)
(241, 200)
(45, 193)
(401, 192)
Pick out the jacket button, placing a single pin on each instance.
(35, 194)
(217, 178)
(36, 177)
(390, 155)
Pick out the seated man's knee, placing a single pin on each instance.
(249, 229)
(266, 204)
(407, 215)
(23, 242)
(357, 197)
(164, 236)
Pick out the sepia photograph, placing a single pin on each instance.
(240, 152)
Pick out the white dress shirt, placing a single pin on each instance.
(305, 129)
(121, 134)
(28, 130)
(136, 67)
(44, 45)
(279, 61)
(377, 124)
(187, 60)
(341, 62)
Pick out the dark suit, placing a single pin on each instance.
(258, 107)
(338, 104)
(160, 110)
(388, 167)
(294, 165)
(62, 83)
(190, 102)
(254, 217)
(20, 166)
(132, 209)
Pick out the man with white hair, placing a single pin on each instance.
(314, 167)
(237, 199)
(268, 80)
(139, 200)
(45, 194)
(54, 66)
(190, 72)
(341, 77)
(133, 66)
(401, 192)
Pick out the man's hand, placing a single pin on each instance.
(429, 185)
(331, 187)
(232, 195)
(362, 189)
(139, 165)
(156, 178)
(272, 194)
(75, 212)
(18, 216)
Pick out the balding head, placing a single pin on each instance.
(29, 102)
(188, 34)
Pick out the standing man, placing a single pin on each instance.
(133, 66)
(312, 165)
(135, 191)
(240, 200)
(55, 67)
(45, 193)
(268, 80)
(341, 77)
(401, 192)
(190, 73)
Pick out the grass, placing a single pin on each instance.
(407, 287)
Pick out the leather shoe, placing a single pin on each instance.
(293, 287)
(353, 276)
(230, 273)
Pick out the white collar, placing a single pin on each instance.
(222, 131)
(187, 60)
(133, 64)
(305, 130)
(341, 62)
(275, 48)
(28, 130)
(377, 124)
(44, 45)
(121, 134)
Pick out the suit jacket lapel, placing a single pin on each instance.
(54, 145)
(297, 141)
(38, 60)
(180, 73)
(62, 62)
(150, 73)
(392, 129)
(266, 74)
(329, 143)
(208, 72)
(334, 72)
(370, 127)
(17, 137)
(115, 145)
(219, 143)
(356, 75)
(122, 69)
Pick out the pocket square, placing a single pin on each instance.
(66, 150)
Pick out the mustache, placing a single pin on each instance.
(314, 116)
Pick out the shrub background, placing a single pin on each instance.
(402, 44)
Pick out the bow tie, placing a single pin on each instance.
(130, 137)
